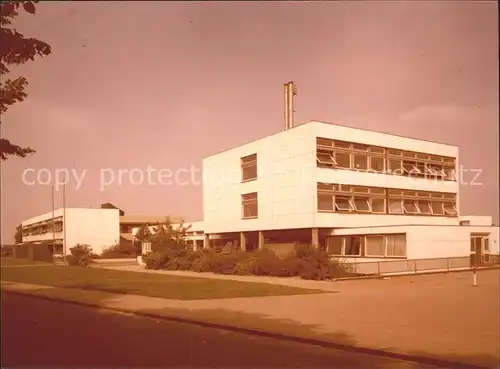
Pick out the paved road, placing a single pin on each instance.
(41, 333)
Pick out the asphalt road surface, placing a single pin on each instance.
(41, 333)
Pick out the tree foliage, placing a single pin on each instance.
(165, 235)
(18, 237)
(15, 49)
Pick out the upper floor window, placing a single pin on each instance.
(376, 200)
(249, 168)
(250, 205)
(349, 155)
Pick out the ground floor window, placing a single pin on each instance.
(377, 245)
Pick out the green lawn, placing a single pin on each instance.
(146, 284)
(9, 261)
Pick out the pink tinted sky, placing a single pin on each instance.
(166, 83)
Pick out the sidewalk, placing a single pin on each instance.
(439, 316)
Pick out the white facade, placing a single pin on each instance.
(288, 176)
(292, 183)
(98, 228)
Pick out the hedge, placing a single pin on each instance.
(306, 262)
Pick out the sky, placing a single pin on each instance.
(163, 84)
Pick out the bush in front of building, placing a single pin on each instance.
(305, 262)
(124, 250)
(81, 255)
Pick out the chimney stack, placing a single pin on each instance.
(290, 92)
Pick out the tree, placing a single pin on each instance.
(19, 234)
(168, 236)
(15, 49)
(143, 233)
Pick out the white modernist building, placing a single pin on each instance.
(361, 195)
(99, 228)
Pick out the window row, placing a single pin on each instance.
(249, 168)
(385, 161)
(329, 144)
(333, 188)
(250, 205)
(43, 229)
(381, 246)
(375, 200)
(380, 164)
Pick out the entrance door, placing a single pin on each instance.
(479, 249)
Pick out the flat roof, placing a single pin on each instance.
(148, 218)
(330, 124)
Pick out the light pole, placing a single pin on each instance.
(64, 224)
(53, 227)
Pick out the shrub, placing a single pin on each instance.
(201, 265)
(155, 260)
(179, 263)
(316, 264)
(227, 263)
(119, 251)
(265, 262)
(81, 255)
(289, 266)
(245, 266)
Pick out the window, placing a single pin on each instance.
(435, 170)
(249, 168)
(58, 227)
(343, 160)
(450, 209)
(360, 162)
(325, 202)
(394, 152)
(379, 150)
(361, 189)
(396, 245)
(344, 188)
(395, 166)
(437, 208)
(450, 173)
(375, 246)
(410, 207)
(352, 246)
(377, 163)
(325, 159)
(335, 245)
(250, 205)
(410, 168)
(342, 145)
(324, 142)
(343, 203)
(359, 147)
(362, 204)
(396, 206)
(424, 206)
(378, 205)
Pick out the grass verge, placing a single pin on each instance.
(145, 284)
(10, 261)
